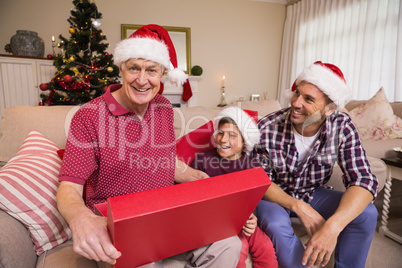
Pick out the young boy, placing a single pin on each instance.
(235, 135)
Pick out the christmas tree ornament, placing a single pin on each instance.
(96, 23)
(62, 93)
(50, 56)
(68, 79)
(109, 69)
(75, 70)
(43, 87)
(79, 77)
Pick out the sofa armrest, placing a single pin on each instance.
(16, 247)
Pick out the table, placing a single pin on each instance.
(394, 165)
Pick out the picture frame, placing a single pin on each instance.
(255, 97)
(180, 36)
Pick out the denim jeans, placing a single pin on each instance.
(353, 242)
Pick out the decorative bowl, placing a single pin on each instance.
(398, 151)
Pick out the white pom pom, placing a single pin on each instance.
(177, 77)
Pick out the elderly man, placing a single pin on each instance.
(298, 149)
(123, 142)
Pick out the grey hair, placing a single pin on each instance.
(123, 66)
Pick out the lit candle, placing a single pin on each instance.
(52, 38)
(223, 81)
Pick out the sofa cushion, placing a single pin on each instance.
(188, 119)
(263, 107)
(52, 121)
(28, 193)
(375, 119)
(63, 256)
(194, 142)
(396, 106)
(381, 148)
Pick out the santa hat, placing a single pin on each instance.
(247, 126)
(328, 78)
(152, 42)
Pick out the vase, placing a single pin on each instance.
(27, 43)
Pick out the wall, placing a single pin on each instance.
(240, 39)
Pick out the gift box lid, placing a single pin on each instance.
(152, 225)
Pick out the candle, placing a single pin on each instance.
(52, 38)
(223, 81)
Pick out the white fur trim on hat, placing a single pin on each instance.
(288, 94)
(328, 82)
(246, 125)
(142, 48)
(177, 77)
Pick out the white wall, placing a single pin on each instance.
(240, 39)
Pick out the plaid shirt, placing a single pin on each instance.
(338, 141)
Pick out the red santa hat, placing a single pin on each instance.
(245, 123)
(328, 78)
(152, 42)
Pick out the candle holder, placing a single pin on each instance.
(53, 46)
(223, 101)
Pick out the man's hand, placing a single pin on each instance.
(185, 173)
(323, 240)
(320, 246)
(91, 238)
(251, 224)
(90, 234)
(309, 217)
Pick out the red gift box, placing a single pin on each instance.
(152, 225)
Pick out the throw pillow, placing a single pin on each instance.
(194, 142)
(60, 153)
(375, 119)
(29, 184)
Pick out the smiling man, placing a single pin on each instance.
(115, 146)
(298, 149)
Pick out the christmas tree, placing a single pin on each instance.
(84, 68)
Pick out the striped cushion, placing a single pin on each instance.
(28, 189)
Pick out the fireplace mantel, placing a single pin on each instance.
(174, 93)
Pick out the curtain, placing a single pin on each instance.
(362, 37)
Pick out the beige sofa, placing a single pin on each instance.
(16, 248)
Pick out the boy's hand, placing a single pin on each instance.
(251, 224)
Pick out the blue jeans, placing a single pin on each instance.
(353, 242)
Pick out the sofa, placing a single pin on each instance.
(16, 246)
